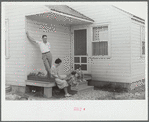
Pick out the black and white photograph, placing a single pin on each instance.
(87, 53)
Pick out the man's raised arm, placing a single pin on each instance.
(30, 38)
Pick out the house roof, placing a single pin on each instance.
(129, 13)
(68, 11)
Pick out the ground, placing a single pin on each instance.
(95, 94)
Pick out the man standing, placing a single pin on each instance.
(46, 54)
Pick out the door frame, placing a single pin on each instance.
(87, 46)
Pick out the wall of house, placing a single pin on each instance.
(14, 65)
(117, 68)
(137, 61)
(59, 38)
(15, 68)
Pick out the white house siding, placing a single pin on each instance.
(15, 72)
(138, 62)
(118, 67)
(16, 15)
(59, 41)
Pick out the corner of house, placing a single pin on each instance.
(130, 27)
(25, 76)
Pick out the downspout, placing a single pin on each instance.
(71, 49)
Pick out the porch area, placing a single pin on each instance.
(66, 43)
(46, 88)
(56, 24)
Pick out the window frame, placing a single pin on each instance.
(109, 40)
(141, 40)
(7, 39)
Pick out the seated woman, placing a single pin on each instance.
(61, 83)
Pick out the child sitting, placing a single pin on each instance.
(73, 79)
(80, 74)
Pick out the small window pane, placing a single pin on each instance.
(100, 48)
(83, 59)
(77, 59)
(76, 66)
(83, 67)
(100, 33)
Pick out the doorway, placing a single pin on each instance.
(80, 50)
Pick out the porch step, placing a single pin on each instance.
(40, 83)
(87, 76)
(83, 84)
(85, 88)
(47, 86)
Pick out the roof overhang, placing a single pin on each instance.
(58, 17)
(133, 17)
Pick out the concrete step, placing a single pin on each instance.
(87, 77)
(85, 88)
(83, 84)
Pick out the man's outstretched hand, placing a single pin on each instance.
(30, 38)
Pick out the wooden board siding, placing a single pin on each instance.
(137, 62)
(15, 72)
(16, 17)
(118, 67)
(60, 46)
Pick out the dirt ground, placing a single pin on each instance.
(122, 94)
(105, 93)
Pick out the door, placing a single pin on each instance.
(80, 50)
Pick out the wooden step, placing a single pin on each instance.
(83, 84)
(85, 88)
(87, 77)
(40, 83)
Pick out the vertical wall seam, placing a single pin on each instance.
(130, 27)
(25, 48)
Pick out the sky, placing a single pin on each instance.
(137, 8)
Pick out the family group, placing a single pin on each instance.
(73, 78)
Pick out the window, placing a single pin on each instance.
(100, 41)
(142, 40)
(6, 39)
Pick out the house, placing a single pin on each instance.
(106, 41)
